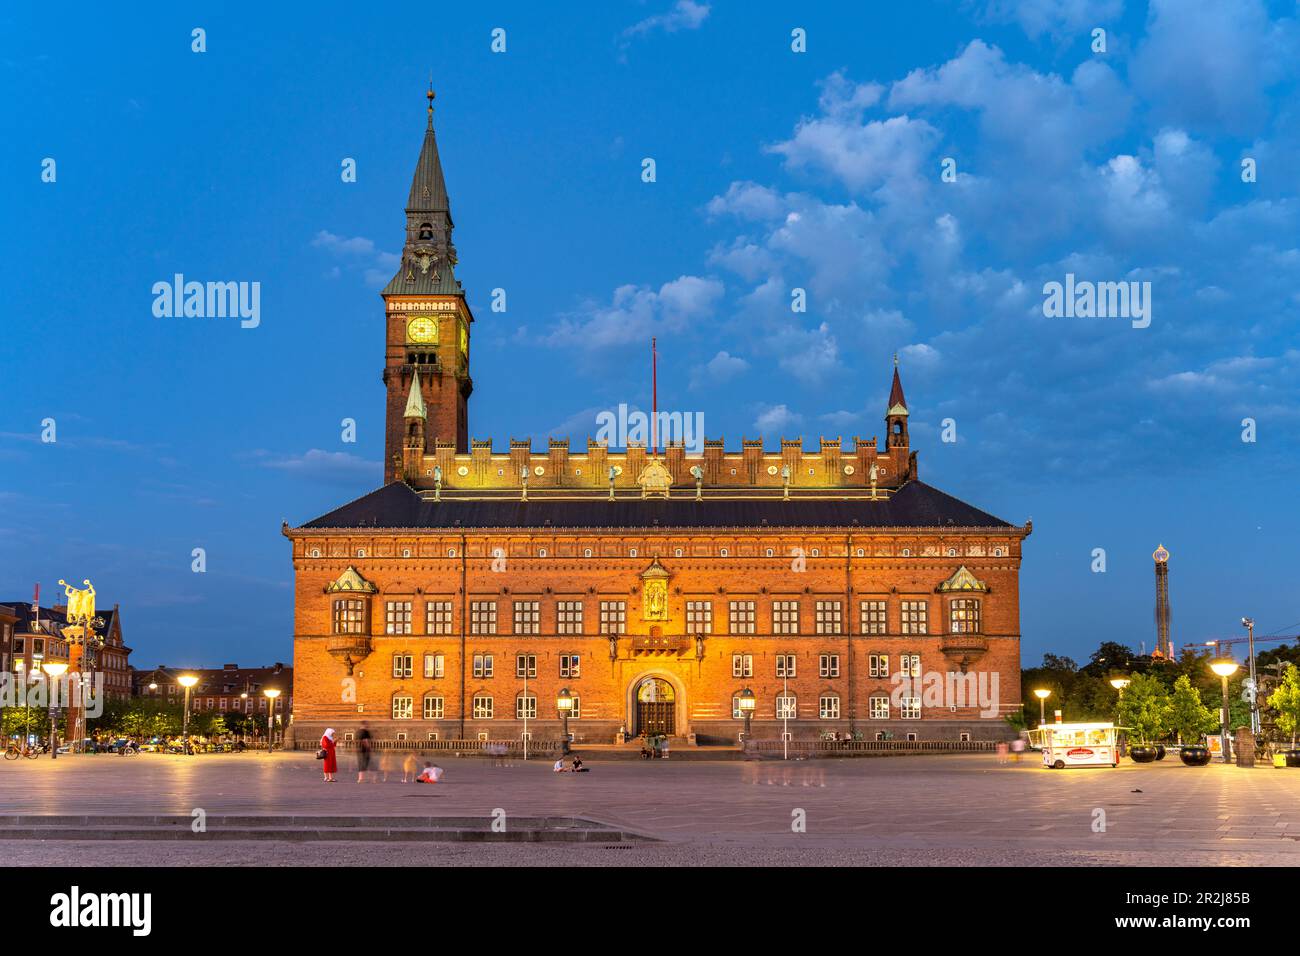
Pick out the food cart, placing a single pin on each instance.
(1077, 745)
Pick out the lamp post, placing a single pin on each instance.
(271, 694)
(53, 670)
(187, 681)
(747, 703)
(1225, 667)
(564, 701)
(243, 724)
(1042, 693)
(785, 713)
(1249, 624)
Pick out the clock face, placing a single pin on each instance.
(422, 328)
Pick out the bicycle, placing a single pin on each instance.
(13, 752)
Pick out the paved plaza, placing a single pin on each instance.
(957, 810)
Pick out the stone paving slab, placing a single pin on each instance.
(956, 807)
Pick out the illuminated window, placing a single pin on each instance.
(349, 617)
(741, 617)
(699, 617)
(964, 616)
(785, 665)
(874, 620)
(879, 707)
(613, 617)
(830, 619)
(909, 665)
(397, 617)
(568, 617)
(915, 617)
(909, 708)
(528, 617)
(437, 617)
(403, 708)
(483, 617)
(785, 617)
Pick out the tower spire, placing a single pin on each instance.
(430, 96)
(415, 407)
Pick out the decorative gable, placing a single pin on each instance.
(962, 580)
(655, 479)
(351, 581)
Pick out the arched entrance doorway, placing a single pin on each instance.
(656, 707)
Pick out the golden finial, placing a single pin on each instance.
(430, 97)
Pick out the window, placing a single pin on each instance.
(433, 709)
(828, 707)
(909, 708)
(483, 617)
(879, 705)
(482, 665)
(613, 617)
(722, 552)
(528, 617)
(437, 617)
(915, 617)
(526, 707)
(402, 708)
(785, 617)
(482, 707)
(699, 617)
(742, 665)
(402, 665)
(828, 665)
(577, 707)
(742, 617)
(910, 665)
(569, 665)
(874, 620)
(433, 665)
(785, 666)
(397, 617)
(964, 616)
(964, 736)
(526, 665)
(568, 617)
(830, 620)
(785, 707)
(349, 617)
(877, 665)
(736, 712)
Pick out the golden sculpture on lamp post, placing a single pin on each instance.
(83, 624)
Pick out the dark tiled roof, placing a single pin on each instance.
(396, 505)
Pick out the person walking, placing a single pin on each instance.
(364, 745)
(330, 762)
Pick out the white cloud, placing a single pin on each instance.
(635, 313)
(722, 368)
(359, 253)
(1056, 18)
(684, 15)
(775, 419)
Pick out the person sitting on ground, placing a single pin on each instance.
(559, 766)
(578, 767)
(430, 774)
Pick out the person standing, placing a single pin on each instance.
(364, 745)
(330, 762)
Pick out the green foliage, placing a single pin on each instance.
(1189, 718)
(1144, 708)
(1285, 702)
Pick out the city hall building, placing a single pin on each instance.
(659, 589)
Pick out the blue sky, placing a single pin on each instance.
(775, 170)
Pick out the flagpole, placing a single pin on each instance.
(654, 399)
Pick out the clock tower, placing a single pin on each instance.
(427, 324)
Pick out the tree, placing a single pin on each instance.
(1189, 718)
(1286, 702)
(1144, 708)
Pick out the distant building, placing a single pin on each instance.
(225, 690)
(30, 636)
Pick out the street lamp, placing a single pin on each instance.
(1042, 693)
(53, 669)
(1249, 624)
(243, 724)
(747, 704)
(187, 681)
(1225, 667)
(271, 694)
(565, 703)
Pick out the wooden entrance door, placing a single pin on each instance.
(656, 707)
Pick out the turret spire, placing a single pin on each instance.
(415, 400)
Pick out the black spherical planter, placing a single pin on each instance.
(1292, 757)
(1160, 751)
(1143, 754)
(1195, 756)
